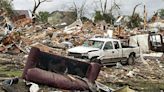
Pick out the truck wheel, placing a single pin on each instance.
(95, 60)
(131, 60)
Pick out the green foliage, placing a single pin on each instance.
(109, 18)
(135, 21)
(6, 6)
(85, 19)
(161, 13)
(98, 16)
(43, 16)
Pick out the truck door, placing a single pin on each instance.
(108, 52)
(117, 55)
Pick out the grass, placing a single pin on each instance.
(16, 73)
(141, 85)
(8, 72)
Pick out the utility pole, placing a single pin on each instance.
(145, 18)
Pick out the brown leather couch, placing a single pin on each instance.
(59, 72)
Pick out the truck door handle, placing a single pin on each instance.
(112, 51)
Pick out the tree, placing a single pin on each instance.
(6, 6)
(109, 18)
(135, 9)
(161, 13)
(98, 16)
(103, 14)
(79, 10)
(115, 8)
(43, 16)
(135, 19)
(103, 6)
(37, 3)
(84, 19)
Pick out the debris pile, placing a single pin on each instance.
(149, 72)
(17, 39)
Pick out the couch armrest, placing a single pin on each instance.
(93, 72)
(31, 60)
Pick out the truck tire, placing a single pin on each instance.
(95, 60)
(131, 60)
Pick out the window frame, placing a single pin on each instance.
(108, 48)
(116, 43)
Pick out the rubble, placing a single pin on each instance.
(130, 74)
(34, 87)
(118, 65)
(134, 73)
(103, 87)
(16, 43)
(125, 89)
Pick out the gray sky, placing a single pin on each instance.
(125, 5)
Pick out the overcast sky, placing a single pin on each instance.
(126, 6)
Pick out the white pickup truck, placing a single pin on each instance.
(106, 51)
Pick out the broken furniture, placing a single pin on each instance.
(59, 72)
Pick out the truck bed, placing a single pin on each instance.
(130, 49)
(128, 46)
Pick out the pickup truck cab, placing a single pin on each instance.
(106, 51)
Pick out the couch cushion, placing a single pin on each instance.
(56, 63)
(55, 80)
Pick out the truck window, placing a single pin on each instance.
(116, 45)
(94, 44)
(108, 46)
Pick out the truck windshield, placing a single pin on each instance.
(94, 44)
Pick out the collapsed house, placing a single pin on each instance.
(75, 26)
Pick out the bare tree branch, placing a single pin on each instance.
(43, 1)
(101, 5)
(135, 9)
(82, 9)
(75, 8)
(37, 3)
(114, 6)
(79, 10)
(34, 3)
(105, 6)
